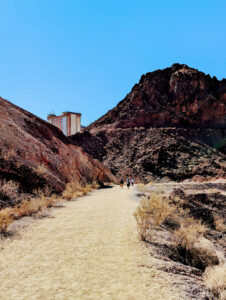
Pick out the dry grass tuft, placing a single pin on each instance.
(45, 192)
(8, 189)
(41, 170)
(147, 188)
(220, 224)
(188, 233)
(194, 249)
(143, 188)
(32, 205)
(151, 183)
(86, 189)
(27, 207)
(215, 279)
(95, 185)
(74, 190)
(200, 254)
(9, 155)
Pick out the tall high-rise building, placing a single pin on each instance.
(68, 122)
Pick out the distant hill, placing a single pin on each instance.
(36, 153)
(172, 124)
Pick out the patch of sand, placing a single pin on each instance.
(89, 250)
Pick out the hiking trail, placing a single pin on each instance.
(88, 249)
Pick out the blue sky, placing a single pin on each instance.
(85, 56)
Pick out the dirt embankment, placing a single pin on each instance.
(184, 224)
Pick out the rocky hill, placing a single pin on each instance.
(36, 153)
(172, 124)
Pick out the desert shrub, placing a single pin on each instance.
(6, 219)
(190, 245)
(188, 233)
(86, 189)
(215, 280)
(152, 211)
(143, 219)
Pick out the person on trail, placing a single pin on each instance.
(121, 183)
(132, 181)
(128, 182)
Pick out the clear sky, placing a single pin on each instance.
(85, 55)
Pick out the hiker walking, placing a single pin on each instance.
(121, 183)
(128, 182)
(132, 181)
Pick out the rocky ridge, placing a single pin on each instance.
(171, 125)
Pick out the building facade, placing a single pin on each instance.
(68, 122)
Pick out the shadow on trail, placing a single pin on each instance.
(105, 187)
(139, 195)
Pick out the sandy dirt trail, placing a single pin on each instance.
(88, 249)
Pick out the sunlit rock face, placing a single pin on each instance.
(164, 127)
(174, 97)
(37, 154)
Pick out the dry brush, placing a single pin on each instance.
(191, 245)
(33, 204)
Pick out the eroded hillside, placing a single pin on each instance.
(37, 154)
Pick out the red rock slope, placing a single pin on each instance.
(35, 153)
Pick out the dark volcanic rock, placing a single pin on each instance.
(203, 205)
(36, 153)
(169, 125)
